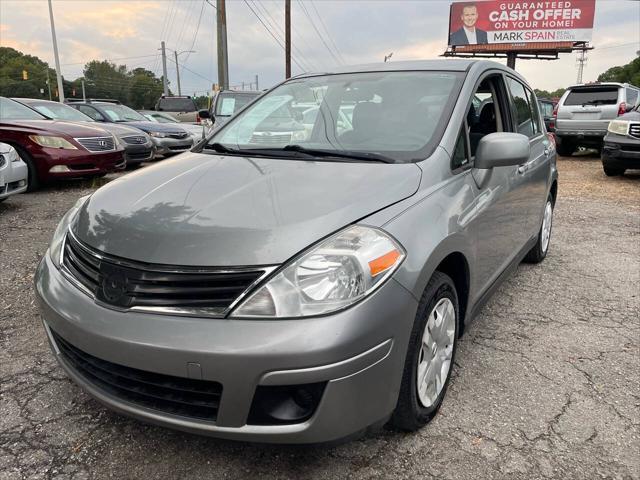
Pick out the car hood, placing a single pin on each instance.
(214, 210)
(119, 130)
(155, 127)
(60, 127)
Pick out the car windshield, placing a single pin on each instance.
(229, 103)
(398, 115)
(60, 111)
(121, 113)
(592, 96)
(10, 110)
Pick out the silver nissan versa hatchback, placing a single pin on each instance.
(304, 284)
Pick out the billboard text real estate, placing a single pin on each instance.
(495, 21)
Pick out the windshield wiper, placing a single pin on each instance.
(262, 152)
(349, 154)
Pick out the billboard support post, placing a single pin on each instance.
(511, 59)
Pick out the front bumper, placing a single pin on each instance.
(621, 151)
(167, 146)
(135, 154)
(79, 163)
(13, 178)
(359, 352)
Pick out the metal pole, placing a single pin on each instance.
(511, 59)
(287, 38)
(178, 73)
(164, 69)
(84, 93)
(49, 83)
(257, 88)
(55, 54)
(223, 59)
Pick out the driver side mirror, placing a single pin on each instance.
(204, 114)
(502, 149)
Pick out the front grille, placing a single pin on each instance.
(268, 138)
(178, 135)
(135, 140)
(175, 395)
(634, 130)
(131, 285)
(139, 155)
(97, 144)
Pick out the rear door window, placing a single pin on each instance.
(91, 112)
(592, 96)
(632, 96)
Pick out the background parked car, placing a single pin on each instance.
(228, 102)
(196, 130)
(13, 172)
(167, 139)
(547, 107)
(584, 113)
(622, 144)
(137, 145)
(183, 108)
(55, 149)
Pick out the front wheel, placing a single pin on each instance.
(540, 249)
(432, 347)
(612, 172)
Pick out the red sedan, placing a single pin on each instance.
(55, 149)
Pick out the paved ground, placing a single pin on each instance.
(546, 383)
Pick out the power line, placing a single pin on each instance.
(189, 70)
(306, 12)
(324, 26)
(187, 16)
(619, 45)
(106, 59)
(195, 35)
(273, 23)
(271, 33)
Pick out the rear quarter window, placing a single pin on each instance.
(592, 96)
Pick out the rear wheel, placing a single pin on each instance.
(430, 355)
(540, 249)
(565, 147)
(612, 172)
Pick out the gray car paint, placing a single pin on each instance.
(487, 218)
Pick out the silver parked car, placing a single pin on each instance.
(302, 292)
(584, 112)
(197, 130)
(13, 172)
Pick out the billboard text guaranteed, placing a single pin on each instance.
(492, 21)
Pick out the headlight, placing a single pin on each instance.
(158, 134)
(330, 276)
(620, 127)
(55, 247)
(52, 142)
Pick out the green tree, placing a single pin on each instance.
(144, 89)
(12, 83)
(549, 94)
(629, 73)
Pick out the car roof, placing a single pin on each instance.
(33, 100)
(600, 84)
(456, 65)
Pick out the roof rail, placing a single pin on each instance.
(91, 100)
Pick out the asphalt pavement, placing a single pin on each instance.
(546, 382)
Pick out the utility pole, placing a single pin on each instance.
(48, 83)
(164, 69)
(84, 93)
(178, 73)
(55, 54)
(511, 60)
(223, 59)
(581, 60)
(257, 82)
(287, 38)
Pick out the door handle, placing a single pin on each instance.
(523, 168)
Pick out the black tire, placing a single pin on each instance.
(612, 172)
(33, 181)
(409, 414)
(537, 254)
(565, 147)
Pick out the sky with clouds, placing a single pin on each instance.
(357, 31)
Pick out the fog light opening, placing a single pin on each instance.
(59, 169)
(285, 404)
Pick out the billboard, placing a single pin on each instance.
(520, 22)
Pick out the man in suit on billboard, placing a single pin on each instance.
(468, 34)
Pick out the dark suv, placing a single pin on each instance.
(622, 144)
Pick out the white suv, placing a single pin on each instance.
(584, 112)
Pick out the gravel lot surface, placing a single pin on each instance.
(546, 381)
